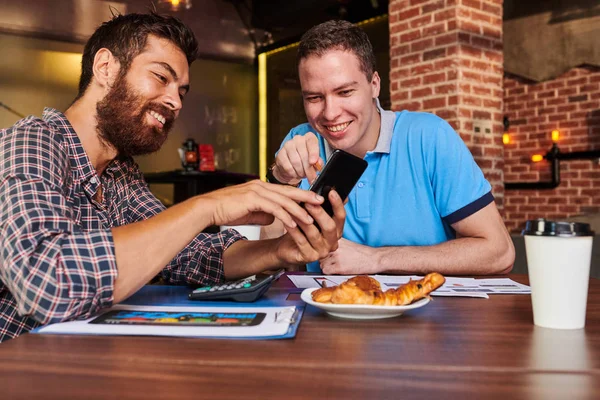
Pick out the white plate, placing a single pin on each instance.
(360, 311)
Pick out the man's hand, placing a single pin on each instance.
(297, 159)
(306, 243)
(350, 258)
(259, 203)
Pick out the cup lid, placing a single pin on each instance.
(544, 227)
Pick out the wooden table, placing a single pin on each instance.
(452, 348)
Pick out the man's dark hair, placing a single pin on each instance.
(126, 35)
(341, 35)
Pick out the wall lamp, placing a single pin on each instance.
(554, 156)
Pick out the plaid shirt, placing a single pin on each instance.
(57, 257)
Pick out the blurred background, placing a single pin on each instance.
(504, 74)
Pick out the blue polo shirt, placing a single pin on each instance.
(421, 179)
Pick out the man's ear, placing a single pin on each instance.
(375, 84)
(106, 68)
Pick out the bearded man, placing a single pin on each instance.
(79, 229)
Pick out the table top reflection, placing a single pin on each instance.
(451, 348)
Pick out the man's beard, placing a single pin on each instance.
(121, 121)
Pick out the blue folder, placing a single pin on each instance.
(174, 296)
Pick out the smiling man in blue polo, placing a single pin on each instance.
(423, 204)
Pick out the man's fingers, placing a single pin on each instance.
(328, 235)
(296, 194)
(284, 166)
(312, 148)
(339, 213)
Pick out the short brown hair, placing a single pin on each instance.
(337, 34)
(126, 36)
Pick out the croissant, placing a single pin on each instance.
(363, 289)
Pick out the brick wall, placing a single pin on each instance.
(571, 104)
(446, 58)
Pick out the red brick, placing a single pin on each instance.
(399, 73)
(476, 4)
(397, 6)
(445, 89)
(433, 54)
(589, 105)
(409, 13)
(481, 17)
(546, 94)
(446, 63)
(410, 106)
(578, 81)
(471, 100)
(418, 93)
(446, 39)
(471, 76)
(469, 27)
(423, 20)
(485, 115)
(399, 96)
(556, 101)
(434, 78)
(567, 91)
(445, 15)
(410, 82)
(494, 33)
(430, 7)
(482, 91)
(434, 103)
(410, 59)
(410, 36)
(494, 56)
(492, 9)
(398, 28)
(421, 45)
(433, 30)
(557, 117)
(400, 50)
(547, 110)
(554, 84)
(446, 114)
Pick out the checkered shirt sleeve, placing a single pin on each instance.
(55, 270)
(201, 261)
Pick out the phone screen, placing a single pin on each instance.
(341, 173)
(175, 318)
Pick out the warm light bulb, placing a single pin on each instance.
(506, 138)
(555, 135)
(537, 157)
(175, 3)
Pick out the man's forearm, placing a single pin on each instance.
(248, 257)
(462, 256)
(144, 248)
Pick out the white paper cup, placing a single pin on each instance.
(252, 232)
(558, 263)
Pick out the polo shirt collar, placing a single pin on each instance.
(386, 131)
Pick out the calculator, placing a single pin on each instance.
(244, 290)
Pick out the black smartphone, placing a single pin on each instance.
(175, 318)
(341, 172)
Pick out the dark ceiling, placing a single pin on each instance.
(287, 20)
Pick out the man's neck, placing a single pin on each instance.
(369, 141)
(82, 116)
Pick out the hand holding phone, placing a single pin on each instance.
(341, 172)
